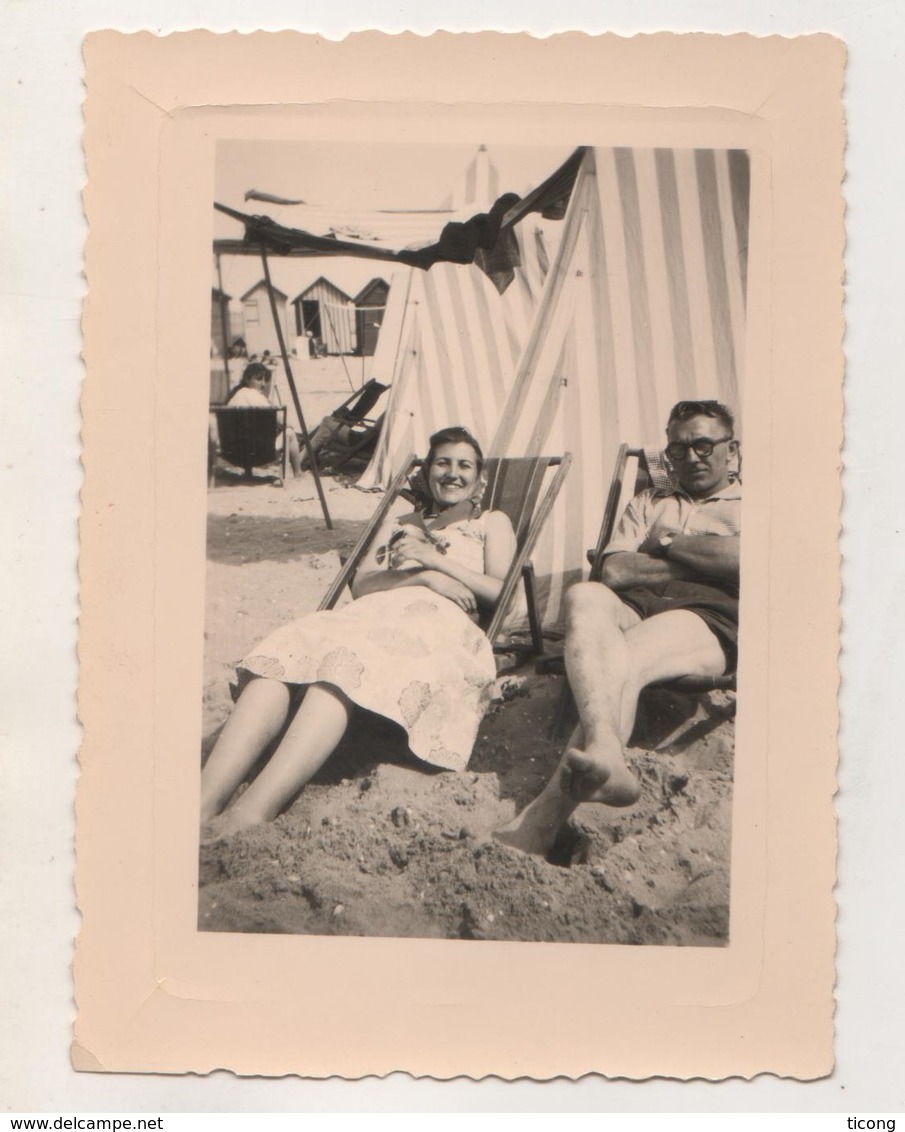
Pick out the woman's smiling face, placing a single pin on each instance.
(453, 473)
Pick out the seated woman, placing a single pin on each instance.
(253, 392)
(406, 648)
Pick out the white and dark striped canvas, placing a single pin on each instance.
(449, 345)
(644, 306)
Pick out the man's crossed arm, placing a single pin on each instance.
(685, 558)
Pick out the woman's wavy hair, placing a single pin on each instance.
(419, 492)
(456, 434)
(255, 369)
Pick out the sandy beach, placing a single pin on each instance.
(380, 845)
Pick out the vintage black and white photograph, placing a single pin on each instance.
(475, 456)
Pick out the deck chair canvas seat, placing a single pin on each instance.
(526, 489)
(651, 470)
(357, 408)
(248, 436)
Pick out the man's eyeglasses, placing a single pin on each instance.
(677, 451)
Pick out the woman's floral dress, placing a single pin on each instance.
(408, 654)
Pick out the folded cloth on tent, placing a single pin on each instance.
(459, 242)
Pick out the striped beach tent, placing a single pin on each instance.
(449, 342)
(644, 305)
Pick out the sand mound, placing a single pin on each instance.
(394, 850)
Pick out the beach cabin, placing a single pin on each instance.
(370, 303)
(260, 334)
(236, 325)
(327, 314)
(219, 389)
(219, 318)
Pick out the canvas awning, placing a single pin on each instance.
(417, 238)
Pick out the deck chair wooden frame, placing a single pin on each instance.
(692, 685)
(355, 409)
(248, 437)
(361, 443)
(526, 489)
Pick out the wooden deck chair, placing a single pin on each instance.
(357, 408)
(526, 489)
(349, 433)
(651, 470)
(360, 444)
(248, 437)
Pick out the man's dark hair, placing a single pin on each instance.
(684, 410)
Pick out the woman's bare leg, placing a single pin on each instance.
(310, 739)
(295, 457)
(256, 720)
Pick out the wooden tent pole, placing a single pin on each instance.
(295, 395)
(223, 328)
(548, 314)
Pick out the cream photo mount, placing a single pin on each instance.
(156, 995)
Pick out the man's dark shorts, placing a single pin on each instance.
(715, 606)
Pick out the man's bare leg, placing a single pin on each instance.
(600, 666)
(310, 739)
(597, 664)
(610, 656)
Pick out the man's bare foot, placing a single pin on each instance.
(592, 775)
(526, 833)
(622, 788)
(598, 775)
(535, 829)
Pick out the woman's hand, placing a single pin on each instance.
(448, 587)
(415, 547)
(414, 560)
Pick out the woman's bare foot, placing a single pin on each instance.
(224, 825)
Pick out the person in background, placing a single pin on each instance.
(253, 391)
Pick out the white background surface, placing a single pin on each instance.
(40, 270)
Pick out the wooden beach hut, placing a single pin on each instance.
(260, 334)
(220, 329)
(327, 313)
(370, 305)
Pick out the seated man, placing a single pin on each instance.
(668, 607)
